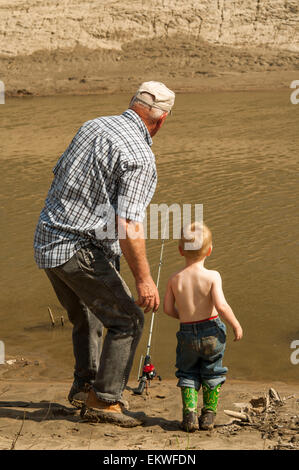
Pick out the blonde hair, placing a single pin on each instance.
(196, 240)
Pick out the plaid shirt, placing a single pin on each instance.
(109, 157)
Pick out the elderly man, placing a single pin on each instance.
(104, 180)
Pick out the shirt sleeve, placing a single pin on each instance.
(136, 187)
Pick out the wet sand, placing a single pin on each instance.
(35, 414)
(183, 63)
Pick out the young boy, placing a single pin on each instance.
(194, 295)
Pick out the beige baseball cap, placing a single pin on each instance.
(162, 97)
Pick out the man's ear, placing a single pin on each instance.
(161, 120)
(180, 250)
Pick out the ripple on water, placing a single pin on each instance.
(236, 153)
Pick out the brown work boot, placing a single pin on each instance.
(206, 419)
(100, 411)
(77, 396)
(190, 422)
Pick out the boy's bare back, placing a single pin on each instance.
(192, 288)
(195, 293)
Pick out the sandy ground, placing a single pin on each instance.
(183, 63)
(35, 414)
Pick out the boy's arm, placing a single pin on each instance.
(222, 306)
(169, 302)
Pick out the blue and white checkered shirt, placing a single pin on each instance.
(109, 158)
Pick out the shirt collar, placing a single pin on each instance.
(130, 114)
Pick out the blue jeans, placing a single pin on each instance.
(94, 294)
(199, 354)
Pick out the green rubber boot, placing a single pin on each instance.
(189, 399)
(210, 402)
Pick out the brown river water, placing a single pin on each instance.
(236, 153)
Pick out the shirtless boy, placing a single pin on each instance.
(194, 295)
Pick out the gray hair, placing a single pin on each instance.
(154, 111)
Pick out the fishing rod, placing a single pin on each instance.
(148, 370)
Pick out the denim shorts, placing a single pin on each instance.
(199, 353)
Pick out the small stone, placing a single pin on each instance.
(11, 361)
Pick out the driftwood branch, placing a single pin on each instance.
(237, 414)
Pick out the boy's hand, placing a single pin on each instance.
(238, 332)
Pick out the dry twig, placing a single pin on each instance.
(51, 317)
(18, 433)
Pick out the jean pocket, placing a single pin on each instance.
(85, 259)
(221, 332)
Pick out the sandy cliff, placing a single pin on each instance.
(72, 33)
(30, 26)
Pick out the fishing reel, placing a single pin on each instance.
(148, 374)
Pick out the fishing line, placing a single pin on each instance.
(149, 372)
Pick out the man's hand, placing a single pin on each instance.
(148, 295)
